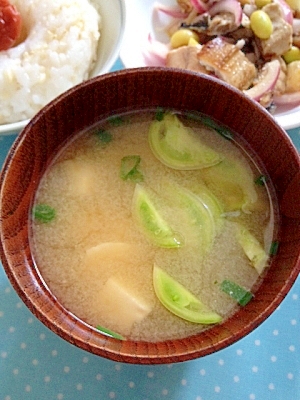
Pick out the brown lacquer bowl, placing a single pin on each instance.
(142, 89)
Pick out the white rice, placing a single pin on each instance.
(58, 52)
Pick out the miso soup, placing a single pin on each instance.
(154, 225)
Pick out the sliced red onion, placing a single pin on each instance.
(288, 99)
(287, 11)
(155, 52)
(171, 11)
(270, 72)
(296, 26)
(199, 6)
(232, 6)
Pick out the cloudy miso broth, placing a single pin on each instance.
(152, 224)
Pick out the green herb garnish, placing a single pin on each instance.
(226, 133)
(104, 136)
(110, 333)
(159, 115)
(43, 213)
(116, 121)
(274, 248)
(130, 169)
(235, 291)
(261, 180)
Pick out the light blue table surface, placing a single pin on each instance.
(35, 364)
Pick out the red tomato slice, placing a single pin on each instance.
(10, 25)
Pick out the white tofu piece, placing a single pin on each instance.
(80, 176)
(121, 305)
(109, 251)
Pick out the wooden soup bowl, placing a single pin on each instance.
(137, 89)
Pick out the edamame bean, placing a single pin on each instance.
(244, 2)
(294, 4)
(262, 3)
(261, 24)
(293, 54)
(182, 37)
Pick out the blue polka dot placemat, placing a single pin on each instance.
(35, 364)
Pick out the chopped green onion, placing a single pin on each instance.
(129, 169)
(261, 180)
(226, 133)
(238, 293)
(109, 333)
(104, 136)
(274, 248)
(116, 121)
(43, 213)
(159, 115)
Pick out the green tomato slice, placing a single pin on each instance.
(252, 248)
(177, 146)
(211, 203)
(151, 222)
(234, 183)
(200, 215)
(180, 301)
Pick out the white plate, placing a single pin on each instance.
(141, 22)
(113, 13)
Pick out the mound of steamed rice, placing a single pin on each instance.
(58, 52)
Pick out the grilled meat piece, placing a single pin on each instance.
(220, 24)
(185, 57)
(228, 62)
(281, 39)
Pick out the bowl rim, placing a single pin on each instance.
(92, 340)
